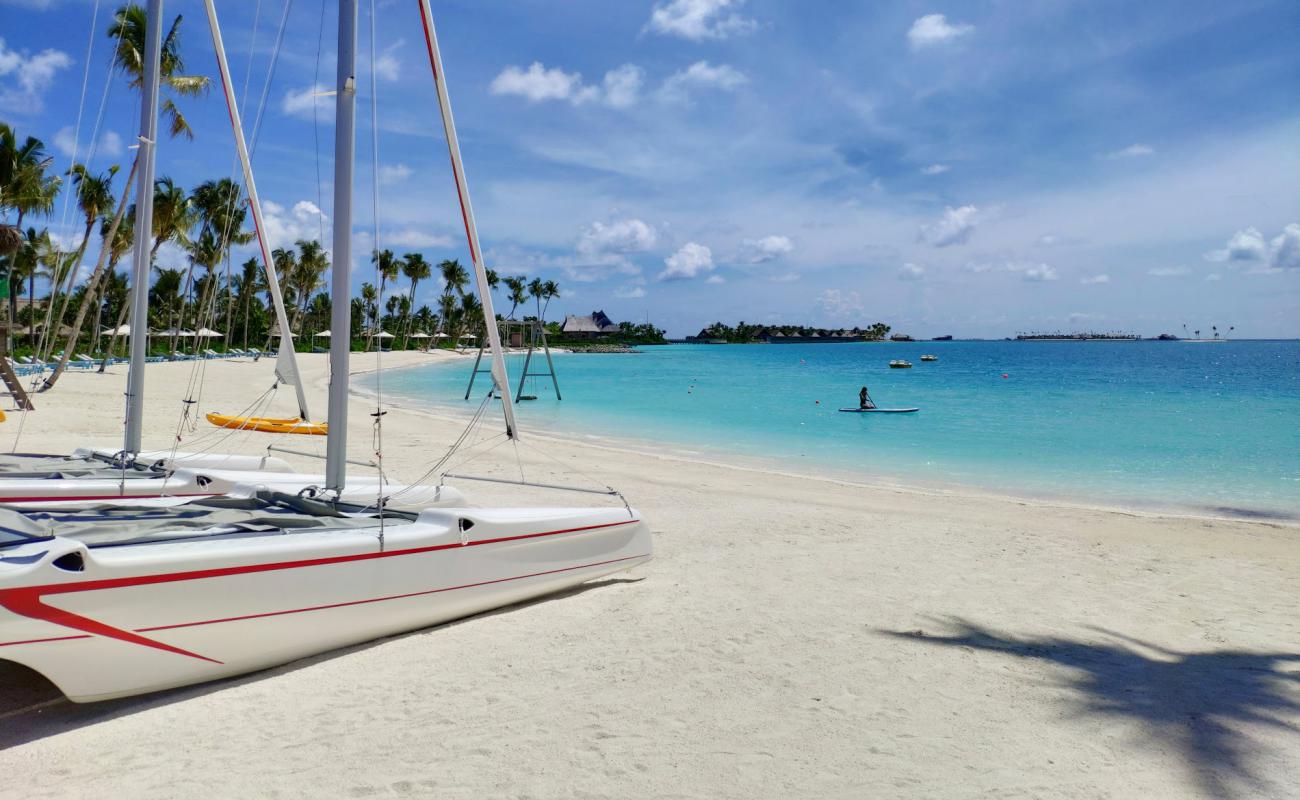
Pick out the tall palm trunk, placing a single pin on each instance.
(112, 340)
(92, 283)
(69, 281)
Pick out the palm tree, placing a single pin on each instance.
(370, 299)
(388, 265)
(90, 195)
(536, 290)
(454, 276)
(471, 315)
(247, 284)
(308, 274)
(94, 198)
(518, 286)
(454, 279)
(174, 215)
(550, 291)
(128, 30)
(25, 188)
(222, 216)
(416, 269)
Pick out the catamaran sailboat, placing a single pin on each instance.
(130, 600)
(129, 474)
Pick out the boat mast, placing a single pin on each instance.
(345, 108)
(286, 368)
(143, 229)
(502, 385)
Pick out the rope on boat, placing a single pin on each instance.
(378, 435)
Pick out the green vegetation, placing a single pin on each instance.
(744, 332)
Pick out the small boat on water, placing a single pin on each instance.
(929, 358)
(899, 363)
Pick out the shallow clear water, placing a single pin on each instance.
(1169, 424)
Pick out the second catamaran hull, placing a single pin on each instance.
(184, 484)
(147, 617)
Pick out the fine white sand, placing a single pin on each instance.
(794, 637)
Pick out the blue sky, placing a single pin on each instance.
(970, 168)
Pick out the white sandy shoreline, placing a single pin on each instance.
(794, 637)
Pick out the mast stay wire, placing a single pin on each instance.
(378, 436)
(206, 312)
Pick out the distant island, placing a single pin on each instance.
(744, 333)
(1079, 337)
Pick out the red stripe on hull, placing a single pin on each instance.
(27, 600)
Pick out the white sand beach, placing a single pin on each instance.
(794, 637)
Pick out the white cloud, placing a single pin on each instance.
(617, 237)
(1132, 151)
(629, 292)
(33, 75)
(109, 145)
(1214, 276)
(1038, 273)
(786, 277)
(284, 227)
(537, 83)
(691, 260)
(837, 303)
(698, 20)
(1247, 245)
(954, 227)
(299, 102)
(1032, 271)
(393, 173)
(935, 169)
(413, 237)
(386, 66)
(1094, 280)
(701, 75)
(1169, 272)
(1286, 248)
(768, 248)
(621, 87)
(911, 272)
(716, 279)
(1250, 247)
(933, 29)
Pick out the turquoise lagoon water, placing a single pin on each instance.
(1210, 427)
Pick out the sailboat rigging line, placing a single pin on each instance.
(275, 448)
(76, 134)
(270, 75)
(378, 435)
(252, 50)
(458, 476)
(456, 445)
(315, 124)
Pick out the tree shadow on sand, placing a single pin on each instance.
(32, 708)
(1203, 703)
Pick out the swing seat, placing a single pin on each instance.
(269, 425)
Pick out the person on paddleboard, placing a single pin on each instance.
(864, 399)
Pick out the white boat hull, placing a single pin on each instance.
(146, 617)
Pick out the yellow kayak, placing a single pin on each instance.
(268, 425)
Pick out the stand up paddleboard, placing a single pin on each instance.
(879, 410)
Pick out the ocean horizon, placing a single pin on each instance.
(1170, 426)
